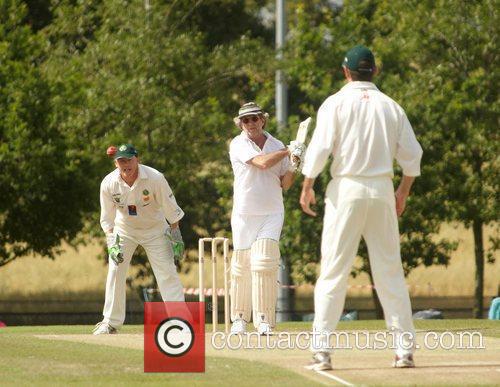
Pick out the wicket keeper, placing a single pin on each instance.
(138, 207)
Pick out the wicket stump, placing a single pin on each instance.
(201, 261)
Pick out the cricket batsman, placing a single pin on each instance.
(364, 130)
(138, 208)
(263, 167)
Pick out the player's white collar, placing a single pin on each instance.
(141, 176)
(142, 172)
(359, 85)
(267, 134)
(245, 135)
(269, 138)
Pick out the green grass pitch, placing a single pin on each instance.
(28, 359)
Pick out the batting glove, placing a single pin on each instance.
(114, 251)
(297, 153)
(175, 237)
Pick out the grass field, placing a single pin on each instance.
(78, 273)
(62, 355)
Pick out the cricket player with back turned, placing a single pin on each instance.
(262, 168)
(364, 130)
(136, 203)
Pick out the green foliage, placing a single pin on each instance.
(41, 184)
(450, 79)
(321, 36)
(78, 76)
(451, 51)
(445, 78)
(165, 80)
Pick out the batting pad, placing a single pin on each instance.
(264, 262)
(241, 285)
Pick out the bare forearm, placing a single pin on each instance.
(269, 160)
(287, 180)
(402, 193)
(307, 196)
(308, 183)
(405, 184)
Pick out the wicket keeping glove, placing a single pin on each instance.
(297, 153)
(175, 237)
(114, 249)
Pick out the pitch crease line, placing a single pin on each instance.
(336, 378)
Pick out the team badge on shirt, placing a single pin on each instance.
(145, 197)
(132, 210)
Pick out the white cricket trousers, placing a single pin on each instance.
(161, 258)
(354, 208)
(246, 229)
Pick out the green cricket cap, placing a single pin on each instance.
(359, 58)
(126, 151)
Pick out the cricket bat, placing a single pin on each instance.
(302, 131)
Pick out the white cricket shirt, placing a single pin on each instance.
(256, 191)
(365, 131)
(144, 206)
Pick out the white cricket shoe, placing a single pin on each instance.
(320, 362)
(103, 328)
(405, 361)
(239, 326)
(264, 329)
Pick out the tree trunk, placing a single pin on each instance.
(477, 228)
(379, 312)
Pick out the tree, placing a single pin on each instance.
(41, 181)
(140, 75)
(451, 58)
(319, 37)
